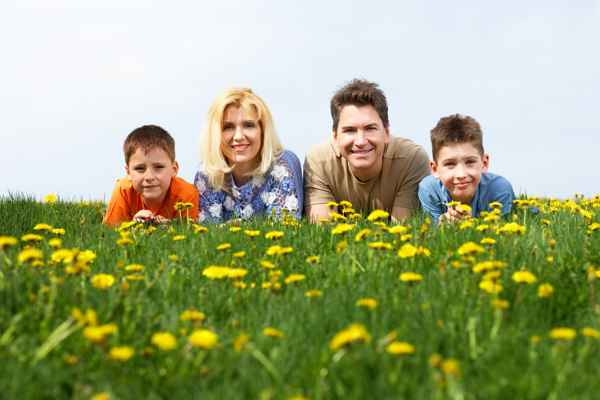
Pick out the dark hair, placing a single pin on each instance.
(359, 92)
(147, 138)
(456, 129)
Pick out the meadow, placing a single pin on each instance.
(357, 308)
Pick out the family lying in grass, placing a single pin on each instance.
(244, 169)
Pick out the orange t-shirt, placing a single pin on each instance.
(125, 202)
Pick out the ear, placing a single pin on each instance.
(175, 169)
(334, 133)
(127, 171)
(387, 134)
(434, 170)
(486, 163)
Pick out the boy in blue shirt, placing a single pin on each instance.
(459, 173)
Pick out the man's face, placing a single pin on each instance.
(361, 138)
(460, 167)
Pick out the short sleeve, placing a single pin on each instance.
(316, 188)
(118, 209)
(430, 198)
(418, 169)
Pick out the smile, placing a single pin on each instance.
(360, 152)
(462, 184)
(240, 147)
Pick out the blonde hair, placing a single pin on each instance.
(214, 161)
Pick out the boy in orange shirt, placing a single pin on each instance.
(152, 188)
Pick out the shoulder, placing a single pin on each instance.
(323, 151)
(289, 157)
(401, 148)
(495, 181)
(430, 185)
(124, 185)
(180, 184)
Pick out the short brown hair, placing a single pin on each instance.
(359, 92)
(147, 138)
(456, 129)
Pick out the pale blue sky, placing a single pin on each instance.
(76, 77)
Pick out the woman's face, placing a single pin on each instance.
(241, 138)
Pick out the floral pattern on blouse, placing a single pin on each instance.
(280, 187)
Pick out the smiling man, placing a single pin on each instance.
(362, 163)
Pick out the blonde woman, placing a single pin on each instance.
(244, 170)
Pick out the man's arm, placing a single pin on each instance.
(317, 212)
(398, 213)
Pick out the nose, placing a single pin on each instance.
(361, 139)
(149, 175)
(460, 171)
(238, 135)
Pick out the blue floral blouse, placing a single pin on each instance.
(280, 187)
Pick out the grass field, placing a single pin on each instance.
(490, 309)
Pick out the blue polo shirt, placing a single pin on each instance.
(492, 188)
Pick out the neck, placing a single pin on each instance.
(365, 176)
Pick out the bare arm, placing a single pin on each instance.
(398, 213)
(317, 212)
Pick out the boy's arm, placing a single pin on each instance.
(429, 198)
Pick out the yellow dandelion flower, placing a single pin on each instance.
(488, 265)
(488, 241)
(367, 302)
(495, 205)
(192, 315)
(380, 245)
(203, 338)
(274, 235)
(101, 396)
(342, 229)
(173, 257)
(400, 348)
(294, 278)
(42, 227)
(500, 304)
(406, 237)
(398, 229)
(354, 333)
(235, 229)
(122, 353)
(98, 334)
(453, 204)
(135, 277)
(341, 246)
(345, 203)
(332, 204)
(273, 250)
(298, 397)
(490, 287)
(271, 285)
(239, 284)
(362, 235)
(6, 241)
(377, 215)
(312, 259)
(482, 227)
(563, 333)
(450, 367)
(164, 341)
(64, 256)
(251, 233)
(410, 277)
(200, 229)
(224, 246)
(31, 238)
(102, 281)
(267, 264)
(272, 332)
(50, 198)
(491, 275)
(544, 290)
(524, 277)
(313, 293)
(135, 268)
(285, 250)
(423, 250)
(178, 237)
(240, 342)
(237, 273)
(124, 241)
(591, 333)
(216, 272)
(407, 250)
(337, 217)
(470, 248)
(512, 228)
(594, 226)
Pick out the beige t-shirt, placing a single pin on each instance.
(328, 178)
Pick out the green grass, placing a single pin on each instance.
(44, 353)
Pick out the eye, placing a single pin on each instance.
(249, 125)
(139, 169)
(470, 161)
(449, 164)
(228, 126)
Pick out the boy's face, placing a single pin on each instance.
(460, 167)
(361, 138)
(151, 174)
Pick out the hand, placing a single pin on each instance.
(453, 215)
(144, 216)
